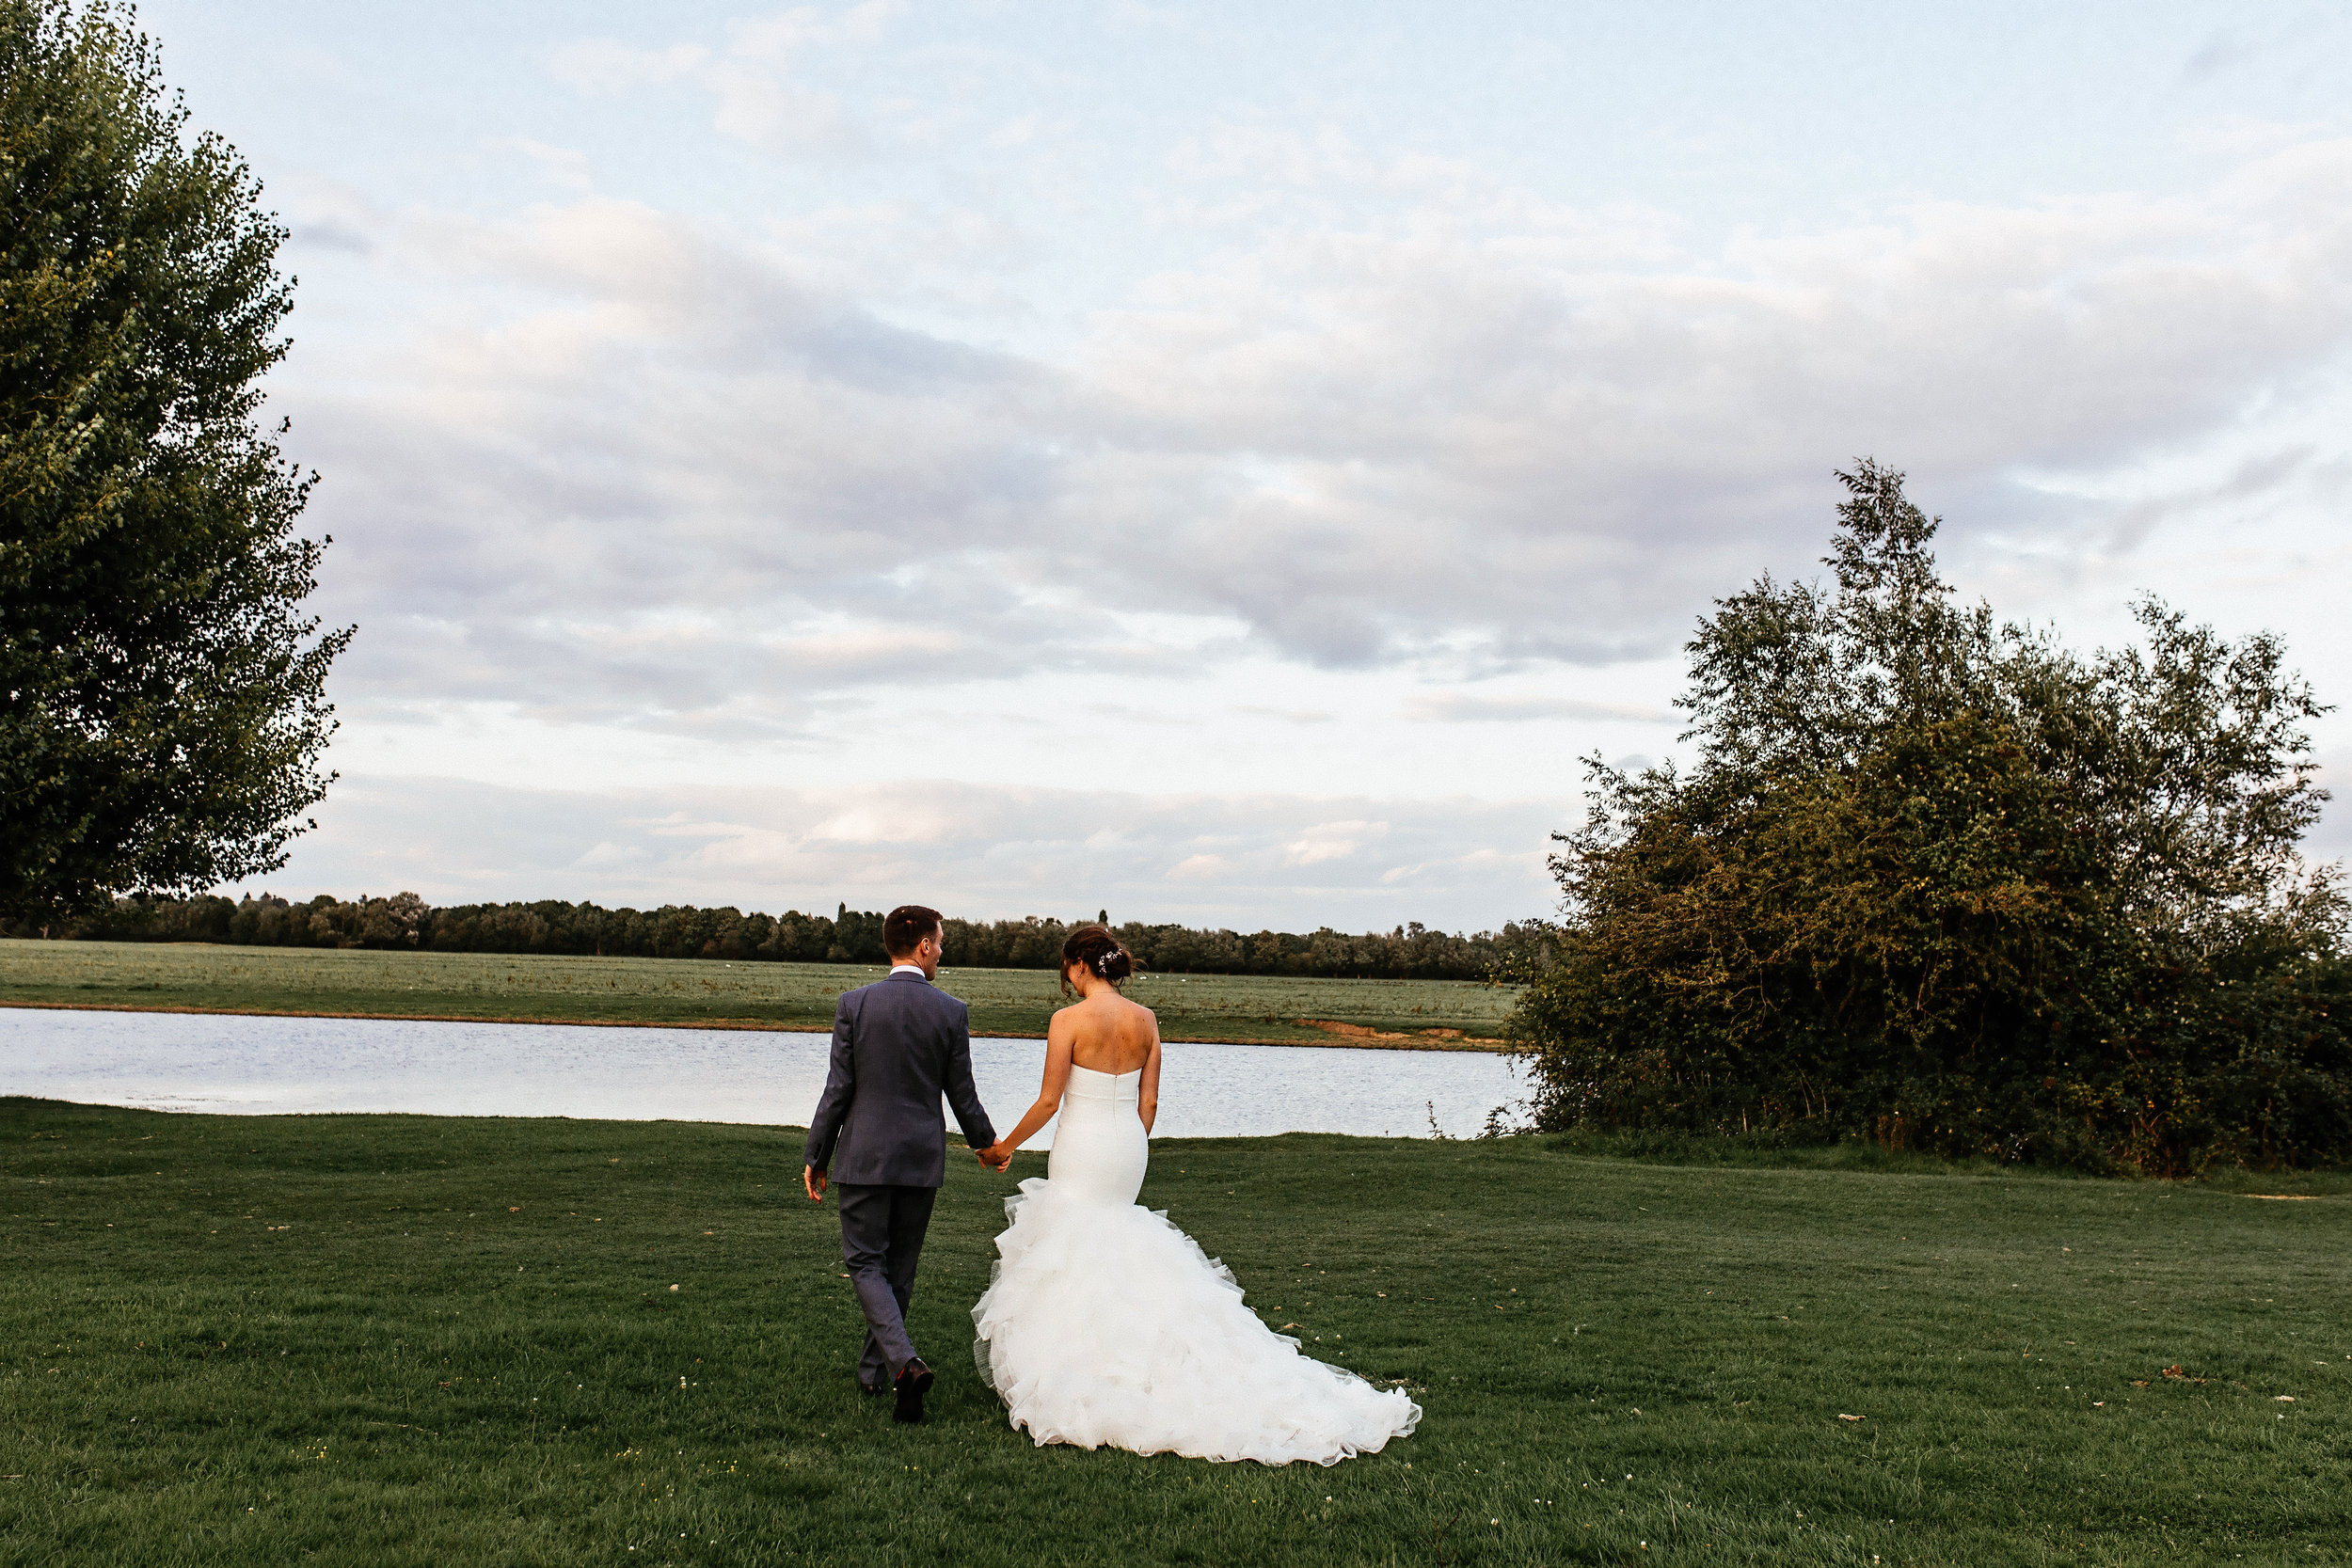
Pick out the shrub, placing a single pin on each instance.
(1945, 885)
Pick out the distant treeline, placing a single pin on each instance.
(848, 935)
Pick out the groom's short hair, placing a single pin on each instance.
(904, 928)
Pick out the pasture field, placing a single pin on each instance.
(1422, 1014)
(391, 1340)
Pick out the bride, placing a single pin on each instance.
(1105, 1323)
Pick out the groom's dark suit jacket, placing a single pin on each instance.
(898, 1045)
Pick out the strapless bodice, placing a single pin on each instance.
(1118, 1088)
(1099, 1148)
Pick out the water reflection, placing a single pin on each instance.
(248, 1066)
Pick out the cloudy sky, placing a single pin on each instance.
(1226, 462)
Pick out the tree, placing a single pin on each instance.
(1939, 881)
(2188, 755)
(163, 711)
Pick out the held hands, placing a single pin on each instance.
(996, 1157)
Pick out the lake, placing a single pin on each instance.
(247, 1066)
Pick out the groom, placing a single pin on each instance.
(898, 1045)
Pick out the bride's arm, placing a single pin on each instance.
(1057, 1035)
(1148, 1091)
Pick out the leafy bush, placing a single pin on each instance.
(1941, 883)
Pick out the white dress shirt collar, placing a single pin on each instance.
(916, 970)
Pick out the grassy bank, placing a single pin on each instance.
(1422, 1014)
(391, 1340)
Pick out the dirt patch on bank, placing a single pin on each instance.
(1415, 1039)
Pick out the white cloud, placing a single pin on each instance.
(657, 475)
(1332, 841)
(602, 66)
(930, 398)
(1482, 433)
(978, 852)
(563, 167)
(1456, 707)
(756, 82)
(1286, 715)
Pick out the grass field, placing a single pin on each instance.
(1424, 1014)
(379, 1341)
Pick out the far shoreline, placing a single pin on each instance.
(1341, 1036)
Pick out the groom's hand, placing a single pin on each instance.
(814, 1179)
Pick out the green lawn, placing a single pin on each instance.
(1422, 1014)
(404, 1340)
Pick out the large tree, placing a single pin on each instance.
(164, 713)
(1940, 882)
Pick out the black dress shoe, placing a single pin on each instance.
(874, 1390)
(914, 1380)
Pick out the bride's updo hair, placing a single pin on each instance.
(1098, 950)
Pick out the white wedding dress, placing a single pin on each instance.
(1105, 1323)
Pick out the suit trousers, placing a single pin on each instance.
(881, 1241)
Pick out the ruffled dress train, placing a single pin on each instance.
(1104, 1323)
